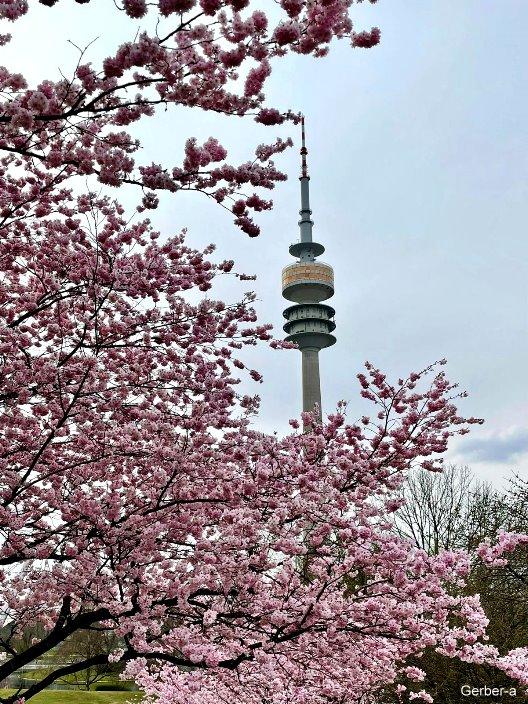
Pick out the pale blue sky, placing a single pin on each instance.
(419, 165)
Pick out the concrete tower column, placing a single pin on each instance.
(311, 381)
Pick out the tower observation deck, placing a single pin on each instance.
(307, 283)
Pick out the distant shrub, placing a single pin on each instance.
(114, 687)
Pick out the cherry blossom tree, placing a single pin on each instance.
(138, 500)
(136, 497)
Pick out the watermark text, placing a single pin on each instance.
(468, 691)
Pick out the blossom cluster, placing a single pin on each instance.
(496, 555)
(196, 59)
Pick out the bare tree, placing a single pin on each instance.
(448, 510)
(518, 501)
(83, 646)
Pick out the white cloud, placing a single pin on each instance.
(504, 447)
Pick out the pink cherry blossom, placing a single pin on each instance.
(496, 555)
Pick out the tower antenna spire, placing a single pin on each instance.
(304, 151)
(306, 222)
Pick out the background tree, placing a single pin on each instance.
(517, 498)
(452, 510)
(84, 646)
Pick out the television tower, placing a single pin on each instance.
(306, 283)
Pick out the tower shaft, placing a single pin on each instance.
(311, 380)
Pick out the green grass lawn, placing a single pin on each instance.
(55, 696)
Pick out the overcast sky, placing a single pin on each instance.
(419, 170)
